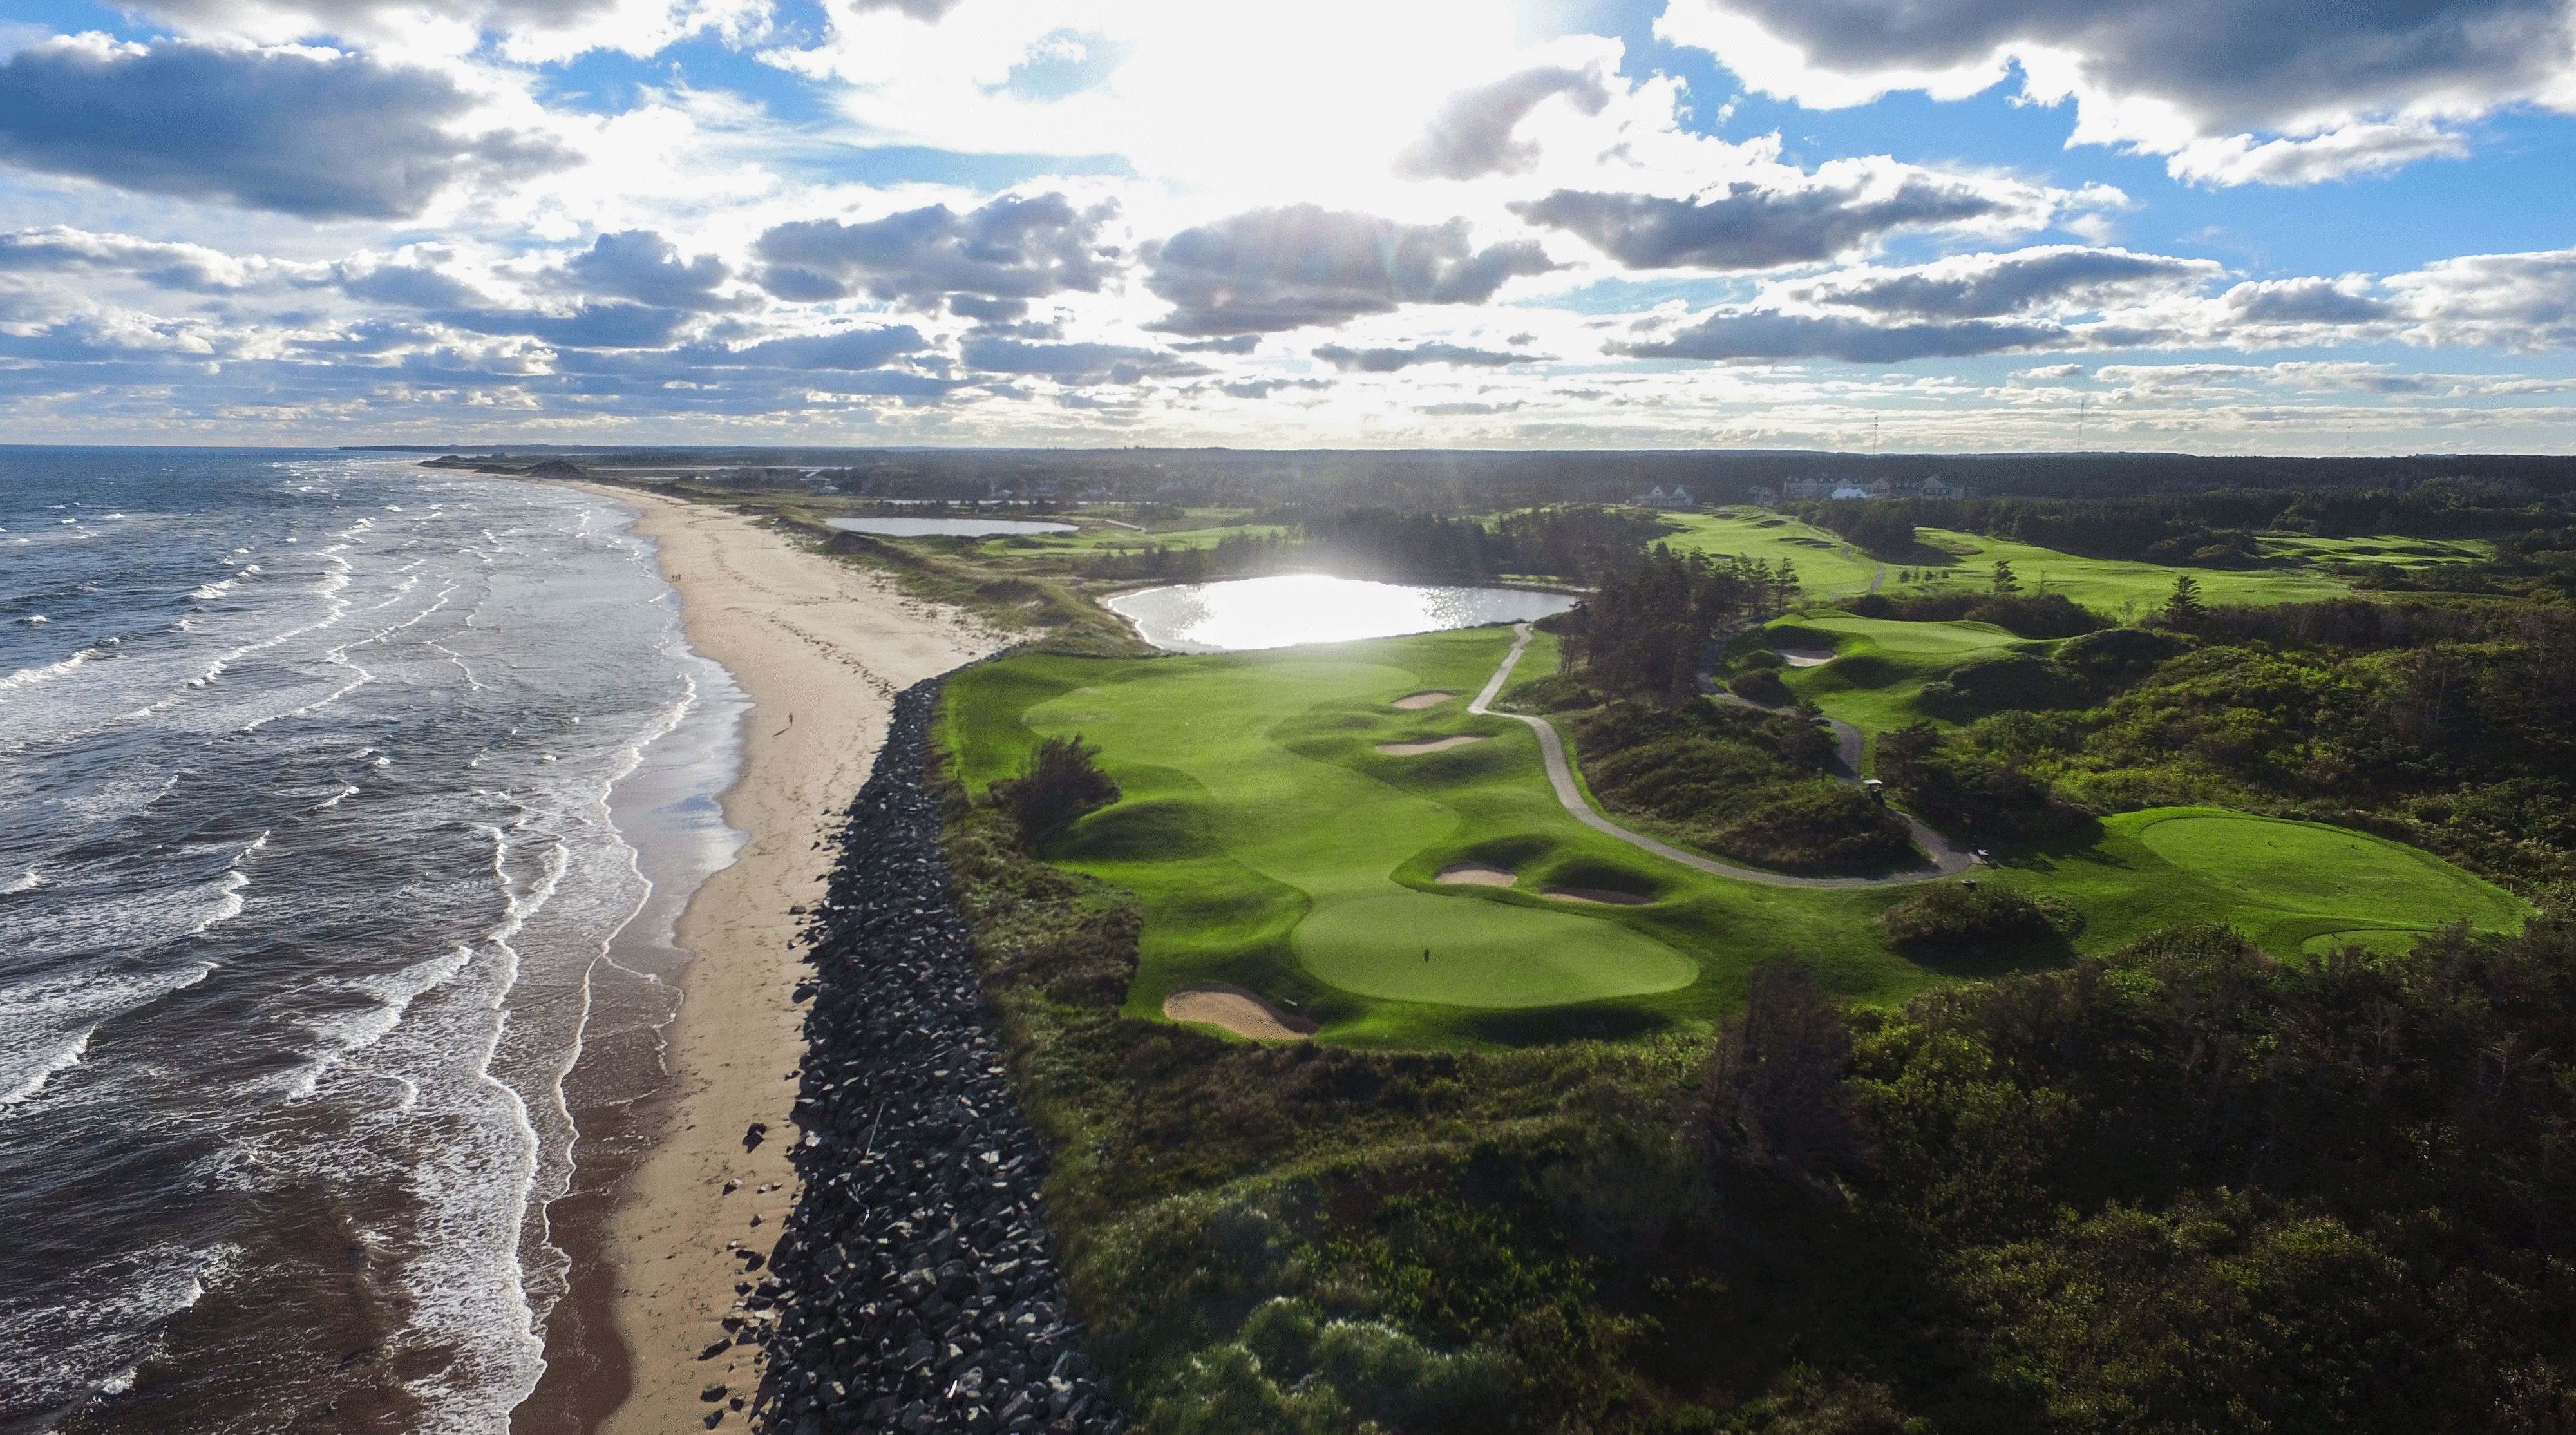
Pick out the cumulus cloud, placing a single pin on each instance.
(641, 265)
(1231, 344)
(1387, 361)
(1749, 224)
(1012, 248)
(2500, 301)
(2306, 301)
(1746, 335)
(193, 267)
(1271, 269)
(1472, 133)
(2351, 87)
(1982, 286)
(1073, 363)
(302, 132)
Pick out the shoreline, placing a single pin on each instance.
(820, 649)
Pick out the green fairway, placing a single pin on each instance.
(1881, 664)
(2392, 549)
(1830, 567)
(2113, 587)
(1275, 847)
(1278, 849)
(2292, 886)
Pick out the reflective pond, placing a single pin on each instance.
(965, 527)
(1248, 613)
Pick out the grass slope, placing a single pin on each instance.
(1276, 848)
(2113, 587)
(2291, 886)
(1881, 664)
(1828, 566)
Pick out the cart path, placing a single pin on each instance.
(1948, 858)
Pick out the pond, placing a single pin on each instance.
(967, 527)
(1248, 613)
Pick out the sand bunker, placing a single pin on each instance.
(1423, 700)
(1413, 749)
(1239, 1011)
(1602, 895)
(1473, 874)
(1806, 657)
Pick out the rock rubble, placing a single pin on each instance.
(911, 1289)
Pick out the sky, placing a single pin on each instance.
(2269, 226)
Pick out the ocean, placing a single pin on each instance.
(344, 804)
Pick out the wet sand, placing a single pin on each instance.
(820, 648)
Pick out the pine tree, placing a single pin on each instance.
(2183, 609)
(2005, 582)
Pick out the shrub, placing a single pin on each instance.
(1760, 685)
(2043, 615)
(1060, 781)
(2015, 680)
(1956, 914)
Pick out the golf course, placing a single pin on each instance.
(1330, 830)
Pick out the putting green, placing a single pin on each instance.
(1481, 954)
(2308, 867)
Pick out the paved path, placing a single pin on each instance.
(1948, 858)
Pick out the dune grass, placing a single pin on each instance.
(1274, 847)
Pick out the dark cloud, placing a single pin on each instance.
(1271, 269)
(1387, 361)
(1264, 388)
(1759, 334)
(590, 326)
(1985, 285)
(319, 136)
(1008, 249)
(2228, 65)
(1232, 344)
(1073, 363)
(1751, 226)
(416, 286)
(2304, 301)
(1472, 134)
(641, 265)
(849, 349)
(988, 311)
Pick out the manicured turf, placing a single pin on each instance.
(2113, 587)
(2393, 549)
(1274, 847)
(1881, 664)
(2293, 886)
(1829, 567)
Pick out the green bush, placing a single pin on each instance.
(1060, 781)
(1956, 914)
(2012, 680)
(1760, 685)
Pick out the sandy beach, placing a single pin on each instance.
(821, 648)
